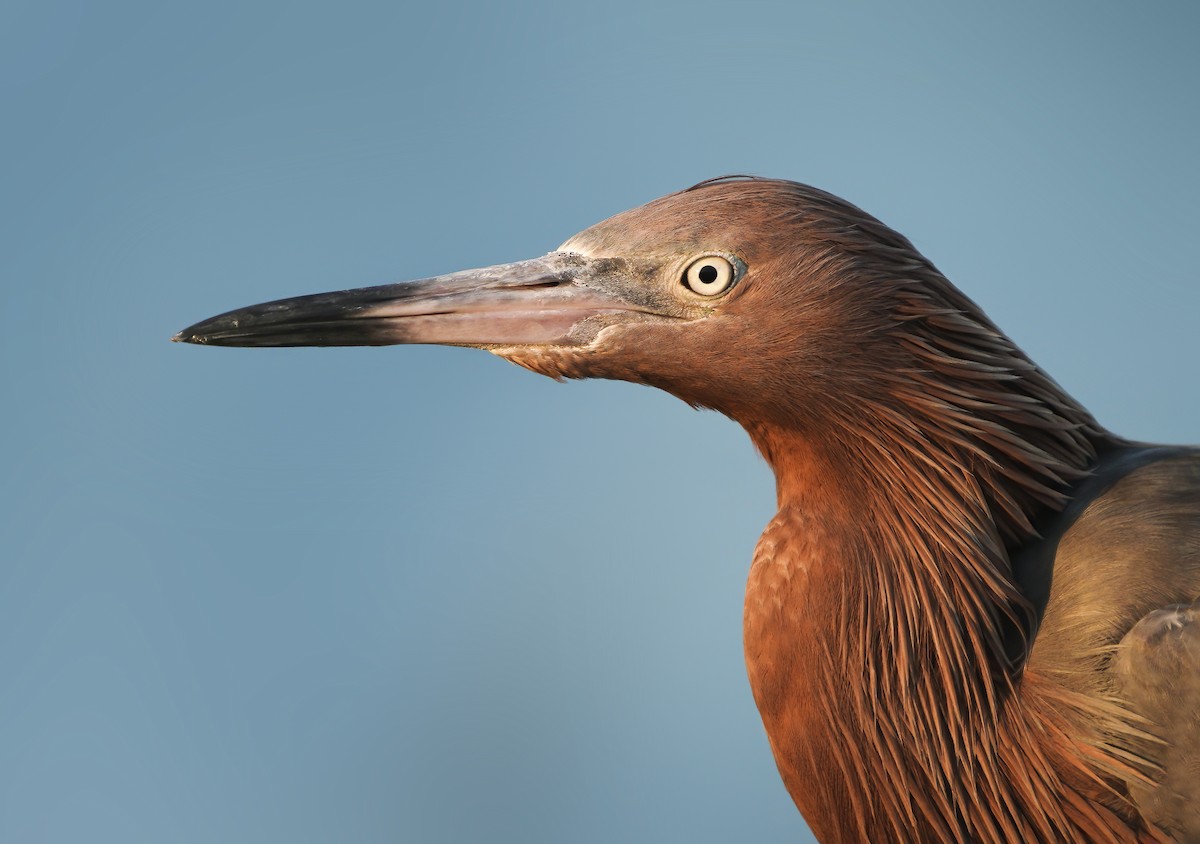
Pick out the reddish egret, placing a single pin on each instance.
(972, 617)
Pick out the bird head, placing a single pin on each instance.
(751, 296)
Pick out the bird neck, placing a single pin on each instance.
(885, 640)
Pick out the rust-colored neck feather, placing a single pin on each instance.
(885, 636)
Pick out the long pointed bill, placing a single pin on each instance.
(530, 302)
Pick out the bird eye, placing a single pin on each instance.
(711, 275)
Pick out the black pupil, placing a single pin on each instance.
(708, 273)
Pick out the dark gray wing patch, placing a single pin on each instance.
(1157, 668)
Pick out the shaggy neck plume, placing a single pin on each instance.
(885, 635)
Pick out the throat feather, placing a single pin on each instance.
(885, 640)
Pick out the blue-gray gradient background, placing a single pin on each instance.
(418, 594)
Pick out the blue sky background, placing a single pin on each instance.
(418, 594)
